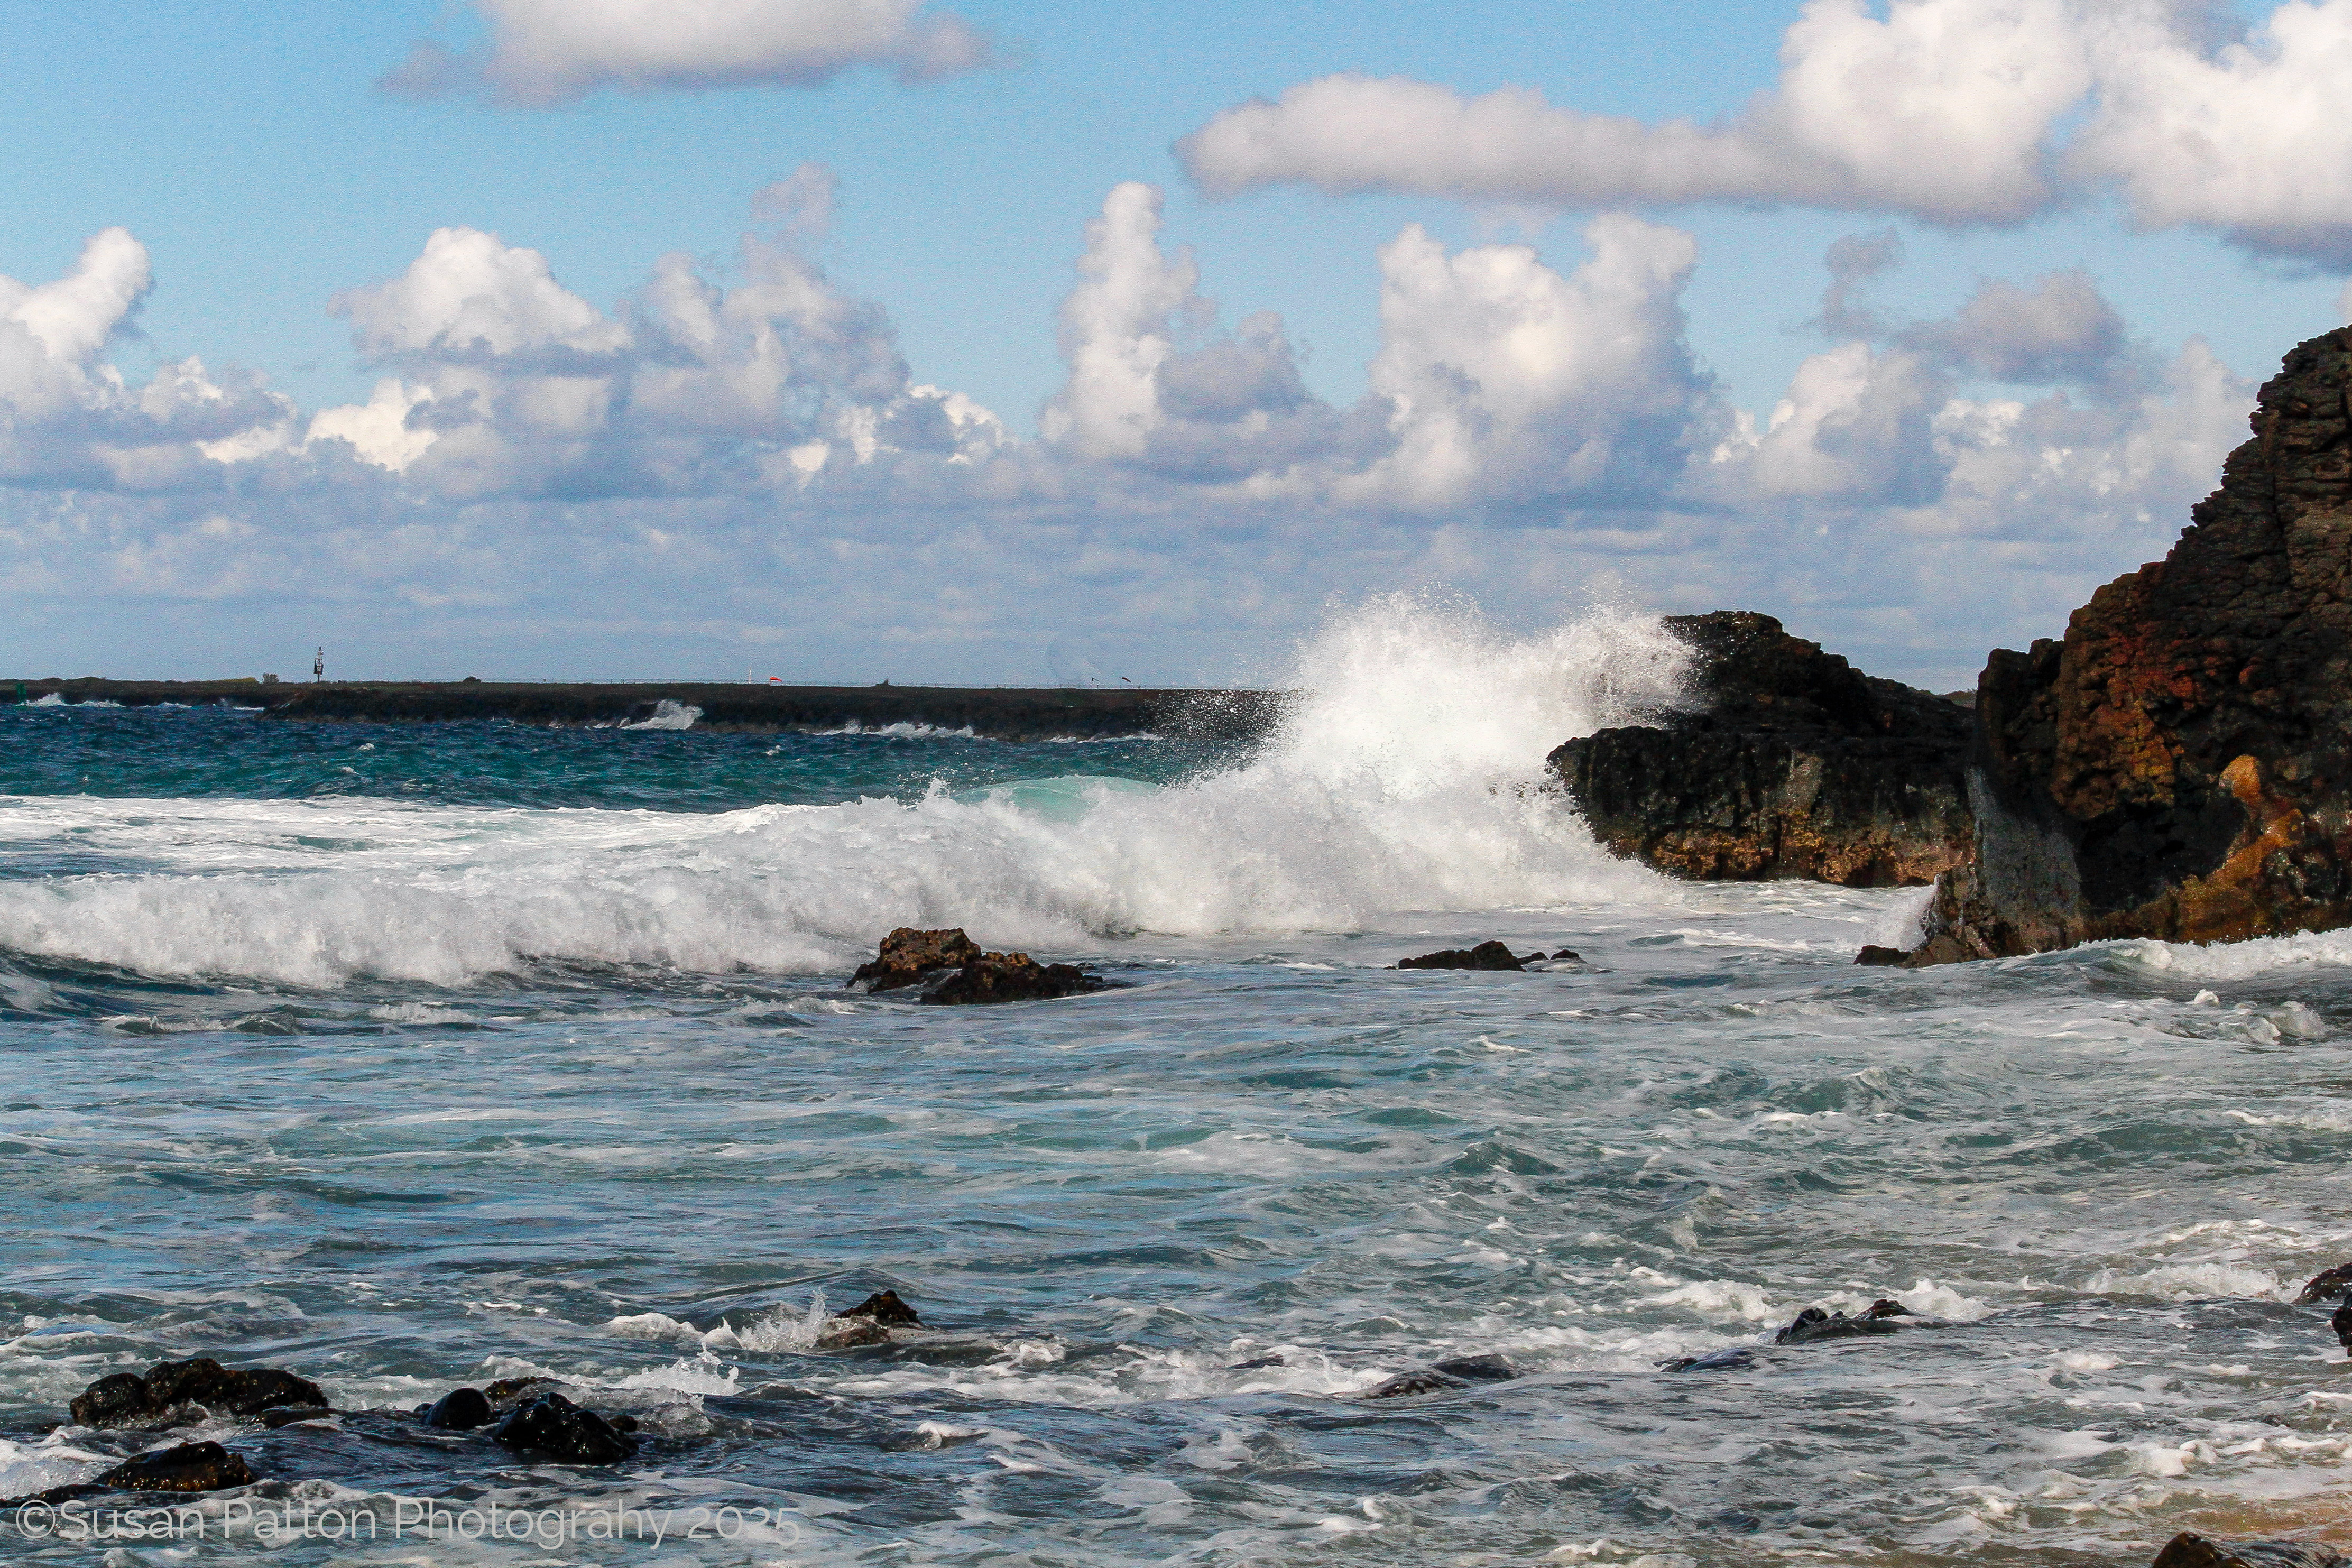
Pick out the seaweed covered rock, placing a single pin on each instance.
(128, 1399)
(2179, 765)
(948, 967)
(1793, 764)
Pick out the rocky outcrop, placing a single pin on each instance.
(2179, 765)
(168, 1388)
(867, 1323)
(550, 1427)
(1486, 955)
(948, 967)
(1793, 764)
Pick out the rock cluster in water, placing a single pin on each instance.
(1794, 763)
(949, 967)
(1490, 955)
(2179, 765)
(168, 1388)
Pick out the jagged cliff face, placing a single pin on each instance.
(1797, 764)
(2178, 767)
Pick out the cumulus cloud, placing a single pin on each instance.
(748, 444)
(1500, 381)
(505, 382)
(1952, 111)
(71, 417)
(1940, 110)
(544, 52)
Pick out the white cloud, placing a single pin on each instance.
(70, 417)
(1953, 112)
(507, 382)
(553, 51)
(744, 452)
(1939, 110)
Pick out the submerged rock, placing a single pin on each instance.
(186, 1468)
(1796, 764)
(867, 1323)
(128, 1399)
(551, 1427)
(1406, 1385)
(1739, 1358)
(1812, 1323)
(1486, 1368)
(2180, 766)
(950, 969)
(2189, 1549)
(1486, 955)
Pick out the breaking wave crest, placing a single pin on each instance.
(1405, 776)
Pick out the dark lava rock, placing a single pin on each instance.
(1487, 1368)
(2180, 766)
(1566, 955)
(1486, 955)
(2189, 1549)
(127, 1399)
(1739, 1358)
(508, 1391)
(886, 1308)
(552, 1427)
(1883, 957)
(1406, 1385)
(2326, 1285)
(1794, 764)
(1256, 1362)
(188, 1467)
(293, 1415)
(1812, 1323)
(2341, 1321)
(950, 969)
(459, 1410)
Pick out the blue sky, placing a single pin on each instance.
(252, 155)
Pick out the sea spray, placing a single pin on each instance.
(1406, 775)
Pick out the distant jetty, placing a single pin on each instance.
(1002, 714)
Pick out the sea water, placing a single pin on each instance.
(408, 1057)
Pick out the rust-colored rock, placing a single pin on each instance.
(2179, 765)
(1795, 765)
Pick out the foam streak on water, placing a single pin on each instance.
(412, 1057)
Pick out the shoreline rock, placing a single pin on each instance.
(947, 968)
(1796, 765)
(2179, 765)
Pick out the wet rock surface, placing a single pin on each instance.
(2326, 1285)
(1813, 1324)
(1486, 955)
(184, 1467)
(2190, 1550)
(459, 1410)
(550, 1427)
(131, 1399)
(948, 968)
(1794, 765)
(2179, 765)
(867, 1323)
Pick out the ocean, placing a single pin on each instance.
(410, 1057)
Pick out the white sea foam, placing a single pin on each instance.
(1408, 777)
(669, 715)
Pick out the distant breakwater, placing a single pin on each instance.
(1001, 713)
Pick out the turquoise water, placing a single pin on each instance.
(416, 1056)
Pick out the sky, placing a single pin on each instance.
(845, 340)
